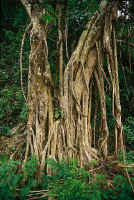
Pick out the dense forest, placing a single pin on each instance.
(67, 100)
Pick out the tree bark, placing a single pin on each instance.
(71, 135)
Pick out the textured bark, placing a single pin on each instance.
(72, 135)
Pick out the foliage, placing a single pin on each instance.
(12, 110)
(9, 179)
(72, 182)
(11, 99)
(129, 132)
(68, 182)
(12, 177)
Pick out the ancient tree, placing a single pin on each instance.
(79, 132)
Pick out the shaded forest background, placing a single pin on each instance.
(13, 108)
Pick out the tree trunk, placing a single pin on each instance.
(82, 84)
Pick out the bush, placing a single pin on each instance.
(69, 182)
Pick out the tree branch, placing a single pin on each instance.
(27, 6)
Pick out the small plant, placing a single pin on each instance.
(59, 113)
(9, 178)
(30, 167)
(23, 114)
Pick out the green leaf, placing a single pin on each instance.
(25, 191)
(48, 18)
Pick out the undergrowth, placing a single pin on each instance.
(67, 182)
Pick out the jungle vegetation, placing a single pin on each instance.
(67, 99)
